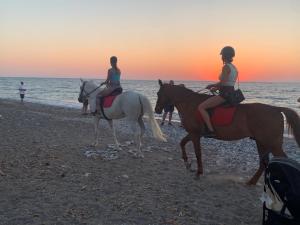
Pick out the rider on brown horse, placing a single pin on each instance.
(226, 84)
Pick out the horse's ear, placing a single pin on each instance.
(160, 82)
(81, 80)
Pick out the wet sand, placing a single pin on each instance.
(46, 177)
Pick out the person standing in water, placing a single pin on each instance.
(22, 91)
(112, 81)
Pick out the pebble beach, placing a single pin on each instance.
(50, 174)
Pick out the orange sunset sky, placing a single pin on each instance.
(168, 39)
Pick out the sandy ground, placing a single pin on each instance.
(46, 177)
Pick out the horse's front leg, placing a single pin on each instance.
(195, 137)
(183, 142)
(96, 129)
(117, 144)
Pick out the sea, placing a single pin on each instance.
(64, 91)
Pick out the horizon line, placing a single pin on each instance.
(93, 78)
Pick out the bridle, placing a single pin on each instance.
(86, 94)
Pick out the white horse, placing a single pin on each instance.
(129, 105)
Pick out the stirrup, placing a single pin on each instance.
(209, 134)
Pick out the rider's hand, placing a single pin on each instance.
(209, 86)
(213, 89)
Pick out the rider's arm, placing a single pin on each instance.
(225, 74)
(108, 77)
(223, 78)
(215, 85)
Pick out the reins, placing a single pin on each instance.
(200, 92)
(203, 91)
(87, 94)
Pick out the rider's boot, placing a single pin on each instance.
(208, 133)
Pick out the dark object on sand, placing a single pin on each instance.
(298, 100)
(282, 192)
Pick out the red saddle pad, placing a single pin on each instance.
(108, 101)
(221, 116)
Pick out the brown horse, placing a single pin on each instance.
(261, 122)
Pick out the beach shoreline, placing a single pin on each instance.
(46, 177)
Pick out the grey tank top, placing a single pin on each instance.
(231, 77)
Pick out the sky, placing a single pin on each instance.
(167, 39)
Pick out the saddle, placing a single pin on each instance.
(107, 101)
(220, 116)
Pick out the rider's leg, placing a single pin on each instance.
(163, 118)
(209, 103)
(100, 95)
(170, 117)
(93, 104)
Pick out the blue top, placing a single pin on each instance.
(114, 77)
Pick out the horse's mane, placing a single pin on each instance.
(188, 92)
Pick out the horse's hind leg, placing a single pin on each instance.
(263, 152)
(137, 138)
(142, 126)
(117, 144)
(196, 141)
(263, 161)
(183, 142)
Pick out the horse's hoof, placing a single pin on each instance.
(141, 156)
(196, 177)
(138, 156)
(188, 165)
(131, 151)
(250, 183)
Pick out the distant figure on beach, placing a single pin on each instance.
(168, 109)
(298, 100)
(225, 86)
(112, 81)
(22, 91)
(84, 109)
(179, 114)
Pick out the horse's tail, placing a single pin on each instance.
(293, 121)
(147, 109)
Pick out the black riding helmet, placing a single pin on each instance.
(228, 52)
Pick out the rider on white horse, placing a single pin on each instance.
(112, 81)
(130, 105)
